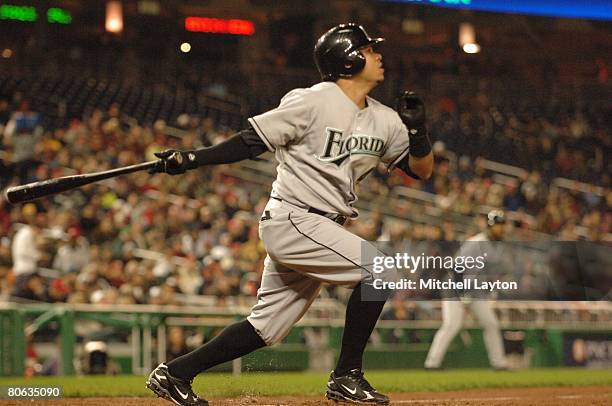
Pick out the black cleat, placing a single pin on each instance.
(175, 390)
(353, 387)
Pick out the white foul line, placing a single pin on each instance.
(491, 399)
(499, 398)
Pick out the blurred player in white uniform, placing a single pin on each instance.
(453, 310)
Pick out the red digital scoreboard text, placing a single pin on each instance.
(219, 26)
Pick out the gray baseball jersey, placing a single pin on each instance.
(325, 145)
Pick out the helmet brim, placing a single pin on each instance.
(370, 43)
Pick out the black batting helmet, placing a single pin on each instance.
(496, 217)
(337, 51)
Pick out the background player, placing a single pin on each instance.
(453, 310)
(326, 139)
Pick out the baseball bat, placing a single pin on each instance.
(36, 190)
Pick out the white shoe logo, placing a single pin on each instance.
(352, 392)
(158, 376)
(184, 396)
(368, 395)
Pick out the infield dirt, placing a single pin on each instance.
(574, 396)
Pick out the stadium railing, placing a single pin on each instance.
(147, 326)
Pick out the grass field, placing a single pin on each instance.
(278, 384)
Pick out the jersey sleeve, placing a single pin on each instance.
(286, 123)
(398, 145)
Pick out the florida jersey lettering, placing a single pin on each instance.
(337, 149)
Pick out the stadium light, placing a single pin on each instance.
(467, 38)
(471, 48)
(114, 17)
(185, 47)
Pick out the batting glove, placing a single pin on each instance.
(175, 162)
(411, 110)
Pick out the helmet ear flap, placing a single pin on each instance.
(354, 63)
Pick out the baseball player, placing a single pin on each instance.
(326, 139)
(453, 310)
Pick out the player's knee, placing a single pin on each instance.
(270, 332)
(273, 336)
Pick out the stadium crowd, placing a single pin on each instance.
(151, 239)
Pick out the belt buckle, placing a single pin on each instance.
(340, 219)
(336, 218)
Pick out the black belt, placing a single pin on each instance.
(335, 217)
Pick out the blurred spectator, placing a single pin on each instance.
(74, 254)
(176, 344)
(400, 310)
(60, 288)
(22, 132)
(31, 287)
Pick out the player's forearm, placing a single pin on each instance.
(244, 145)
(240, 146)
